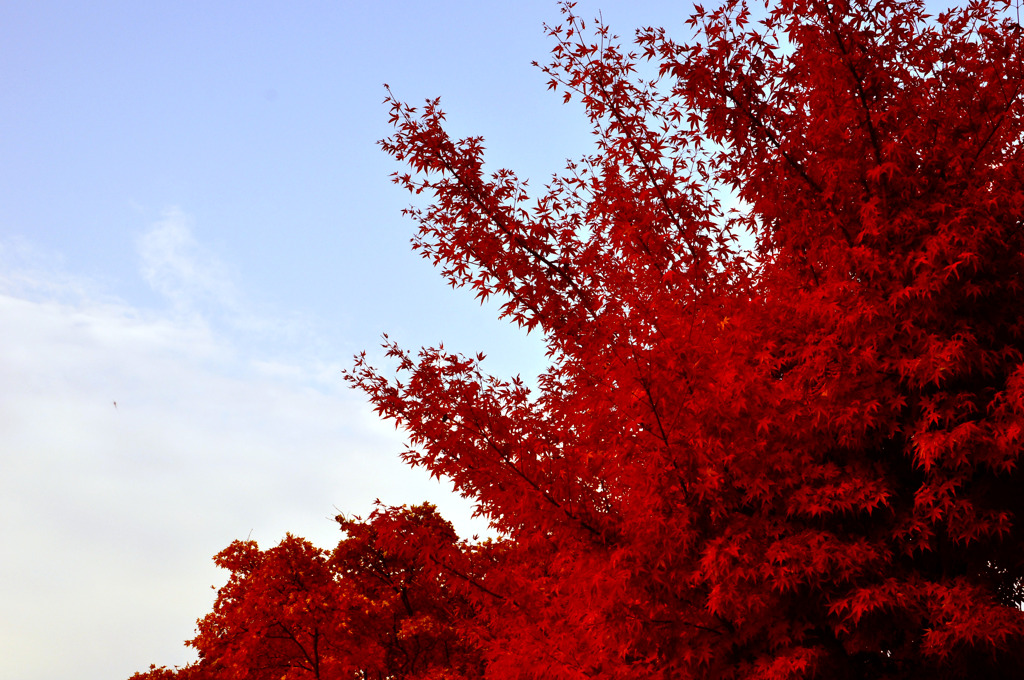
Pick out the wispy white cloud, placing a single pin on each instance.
(201, 288)
(33, 273)
(175, 265)
(109, 515)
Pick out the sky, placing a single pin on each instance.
(197, 233)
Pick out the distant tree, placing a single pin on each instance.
(411, 622)
(366, 610)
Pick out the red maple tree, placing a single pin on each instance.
(780, 432)
(793, 459)
(377, 606)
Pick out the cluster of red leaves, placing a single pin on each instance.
(792, 456)
(378, 606)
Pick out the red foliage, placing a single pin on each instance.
(798, 458)
(780, 434)
(376, 607)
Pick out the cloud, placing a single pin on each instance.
(200, 288)
(111, 514)
(29, 272)
(175, 265)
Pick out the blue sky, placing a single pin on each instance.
(196, 224)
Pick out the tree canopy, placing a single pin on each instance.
(780, 432)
